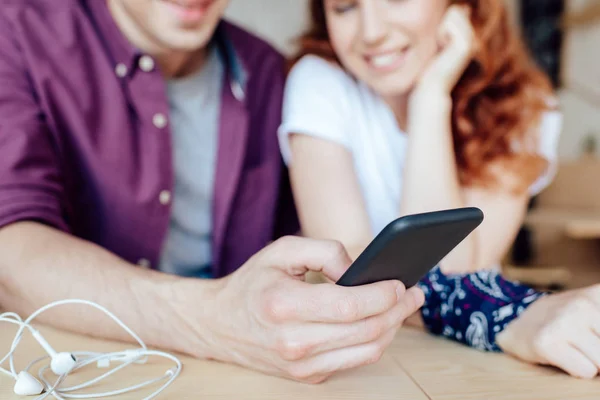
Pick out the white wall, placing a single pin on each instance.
(580, 98)
(277, 21)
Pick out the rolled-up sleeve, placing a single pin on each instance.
(30, 177)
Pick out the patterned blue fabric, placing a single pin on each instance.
(473, 308)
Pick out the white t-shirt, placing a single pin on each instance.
(324, 101)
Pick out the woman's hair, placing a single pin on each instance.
(497, 104)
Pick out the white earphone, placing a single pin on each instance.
(64, 363)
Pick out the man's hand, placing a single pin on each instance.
(266, 317)
(561, 330)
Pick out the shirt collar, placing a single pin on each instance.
(237, 71)
(123, 52)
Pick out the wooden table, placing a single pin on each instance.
(417, 366)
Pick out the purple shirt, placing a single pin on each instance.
(85, 144)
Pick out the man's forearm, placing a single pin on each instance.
(40, 265)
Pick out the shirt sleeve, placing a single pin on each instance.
(315, 103)
(550, 130)
(30, 179)
(473, 308)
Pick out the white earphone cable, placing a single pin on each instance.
(72, 301)
(83, 359)
(14, 345)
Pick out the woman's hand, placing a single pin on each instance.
(456, 40)
(561, 330)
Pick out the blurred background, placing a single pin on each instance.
(559, 245)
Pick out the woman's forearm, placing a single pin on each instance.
(431, 175)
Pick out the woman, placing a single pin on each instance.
(396, 107)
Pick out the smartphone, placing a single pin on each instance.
(409, 247)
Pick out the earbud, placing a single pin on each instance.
(62, 363)
(27, 385)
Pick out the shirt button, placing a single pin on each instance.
(121, 70)
(164, 197)
(144, 263)
(159, 120)
(146, 63)
(237, 91)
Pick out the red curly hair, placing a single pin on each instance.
(497, 104)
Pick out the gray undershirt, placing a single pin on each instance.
(195, 103)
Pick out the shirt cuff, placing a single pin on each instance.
(473, 308)
(31, 206)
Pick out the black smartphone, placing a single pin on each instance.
(409, 247)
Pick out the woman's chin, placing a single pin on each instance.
(395, 83)
(392, 88)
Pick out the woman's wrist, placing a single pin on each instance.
(430, 98)
(429, 110)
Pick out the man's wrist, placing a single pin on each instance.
(181, 308)
(194, 303)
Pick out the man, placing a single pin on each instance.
(139, 154)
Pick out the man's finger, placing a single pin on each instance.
(320, 337)
(328, 303)
(342, 359)
(296, 256)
